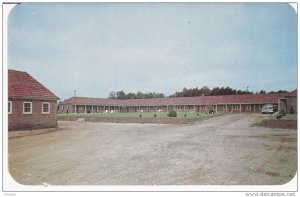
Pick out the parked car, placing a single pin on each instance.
(269, 109)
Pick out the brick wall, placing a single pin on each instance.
(17, 120)
(292, 105)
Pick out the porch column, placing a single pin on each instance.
(75, 109)
(85, 109)
(240, 108)
(92, 108)
(216, 108)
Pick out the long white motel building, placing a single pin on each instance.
(220, 104)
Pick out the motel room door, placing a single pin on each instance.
(243, 108)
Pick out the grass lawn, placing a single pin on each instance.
(286, 117)
(193, 116)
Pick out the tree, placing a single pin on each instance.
(139, 95)
(121, 95)
(130, 96)
(262, 92)
(112, 95)
(205, 91)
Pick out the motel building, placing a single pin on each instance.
(30, 104)
(286, 102)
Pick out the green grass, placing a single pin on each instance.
(189, 116)
(286, 117)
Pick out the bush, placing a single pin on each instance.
(155, 115)
(140, 115)
(172, 113)
(198, 114)
(278, 116)
(184, 115)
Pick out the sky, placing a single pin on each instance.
(96, 48)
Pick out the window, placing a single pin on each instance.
(235, 107)
(46, 108)
(9, 107)
(27, 108)
(248, 107)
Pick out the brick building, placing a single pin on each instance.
(288, 103)
(220, 104)
(30, 104)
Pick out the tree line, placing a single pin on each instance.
(191, 92)
(139, 95)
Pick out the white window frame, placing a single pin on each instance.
(48, 112)
(9, 108)
(24, 108)
(248, 107)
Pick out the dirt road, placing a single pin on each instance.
(222, 150)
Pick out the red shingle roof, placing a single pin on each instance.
(22, 85)
(292, 93)
(200, 100)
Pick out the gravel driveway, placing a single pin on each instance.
(224, 150)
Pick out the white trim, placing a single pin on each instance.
(48, 112)
(30, 108)
(9, 108)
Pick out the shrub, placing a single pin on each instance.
(278, 116)
(155, 115)
(198, 114)
(140, 115)
(282, 112)
(172, 113)
(184, 115)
